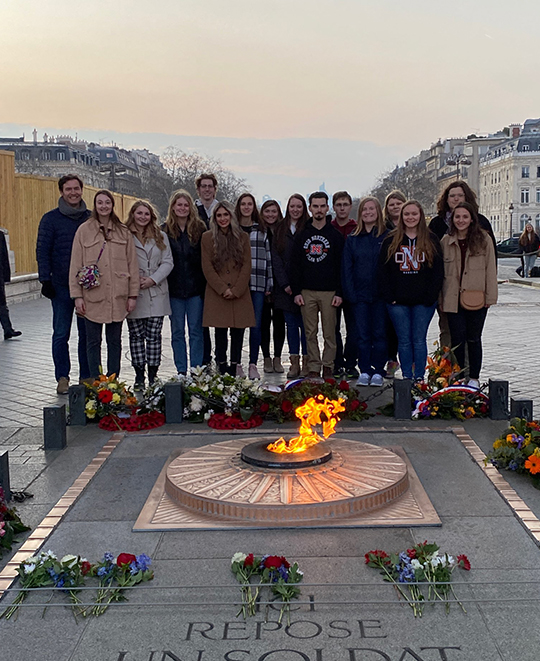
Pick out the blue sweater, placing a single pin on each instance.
(359, 267)
(54, 243)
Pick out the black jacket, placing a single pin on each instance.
(186, 279)
(5, 270)
(405, 280)
(316, 260)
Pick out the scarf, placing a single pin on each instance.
(72, 212)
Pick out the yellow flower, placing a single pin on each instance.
(90, 413)
(91, 405)
(116, 398)
(527, 439)
(536, 452)
(498, 443)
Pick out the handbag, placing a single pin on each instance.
(88, 276)
(471, 299)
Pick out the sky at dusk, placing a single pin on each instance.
(290, 94)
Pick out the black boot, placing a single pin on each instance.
(223, 368)
(139, 378)
(152, 373)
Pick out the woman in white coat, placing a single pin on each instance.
(155, 264)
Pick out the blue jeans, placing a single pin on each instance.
(63, 307)
(529, 263)
(411, 323)
(295, 333)
(192, 309)
(371, 336)
(257, 298)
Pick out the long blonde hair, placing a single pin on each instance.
(227, 245)
(381, 228)
(194, 226)
(151, 231)
(424, 244)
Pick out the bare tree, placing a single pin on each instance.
(412, 180)
(183, 168)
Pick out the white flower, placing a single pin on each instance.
(207, 415)
(416, 564)
(197, 404)
(69, 560)
(450, 560)
(238, 557)
(28, 569)
(48, 554)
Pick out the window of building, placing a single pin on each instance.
(60, 156)
(525, 147)
(47, 155)
(524, 196)
(537, 221)
(538, 171)
(538, 196)
(525, 171)
(25, 155)
(523, 220)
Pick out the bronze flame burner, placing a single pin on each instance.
(256, 454)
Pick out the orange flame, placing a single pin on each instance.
(310, 415)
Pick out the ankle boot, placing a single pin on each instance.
(152, 373)
(223, 368)
(294, 372)
(139, 378)
(305, 366)
(276, 364)
(268, 366)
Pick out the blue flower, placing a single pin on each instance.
(520, 440)
(108, 557)
(102, 571)
(283, 572)
(143, 562)
(495, 463)
(133, 569)
(512, 465)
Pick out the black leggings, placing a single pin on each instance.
(113, 335)
(237, 339)
(272, 315)
(466, 329)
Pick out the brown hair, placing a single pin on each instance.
(68, 177)
(524, 239)
(206, 175)
(227, 245)
(112, 215)
(470, 197)
(379, 223)
(392, 195)
(339, 195)
(279, 221)
(286, 224)
(424, 243)
(476, 237)
(255, 216)
(194, 226)
(150, 231)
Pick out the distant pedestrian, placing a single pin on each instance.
(261, 282)
(272, 316)
(5, 277)
(360, 291)
(346, 349)
(296, 218)
(185, 228)
(145, 322)
(226, 263)
(410, 280)
(316, 283)
(470, 285)
(103, 240)
(56, 232)
(392, 206)
(529, 242)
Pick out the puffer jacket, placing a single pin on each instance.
(359, 267)
(186, 278)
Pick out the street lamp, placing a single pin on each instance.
(458, 160)
(511, 210)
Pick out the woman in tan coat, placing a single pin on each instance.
(226, 263)
(105, 241)
(469, 286)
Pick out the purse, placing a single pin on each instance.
(472, 299)
(88, 276)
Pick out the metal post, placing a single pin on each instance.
(77, 401)
(402, 399)
(498, 400)
(174, 405)
(521, 408)
(54, 427)
(4, 475)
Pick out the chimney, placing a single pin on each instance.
(515, 130)
(34, 133)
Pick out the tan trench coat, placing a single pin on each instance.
(118, 268)
(218, 311)
(480, 273)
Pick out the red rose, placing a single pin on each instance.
(344, 385)
(411, 553)
(354, 404)
(331, 381)
(273, 562)
(363, 406)
(263, 408)
(85, 567)
(248, 562)
(105, 396)
(125, 559)
(463, 562)
(285, 562)
(373, 556)
(286, 406)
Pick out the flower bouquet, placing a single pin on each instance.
(457, 401)
(518, 449)
(418, 573)
(114, 576)
(10, 525)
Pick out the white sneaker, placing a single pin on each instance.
(240, 371)
(363, 380)
(376, 380)
(474, 383)
(253, 372)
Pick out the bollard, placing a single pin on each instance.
(54, 427)
(402, 399)
(521, 408)
(4, 475)
(498, 400)
(77, 401)
(174, 405)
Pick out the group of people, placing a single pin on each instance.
(212, 265)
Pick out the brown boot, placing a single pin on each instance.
(305, 366)
(327, 373)
(294, 372)
(268, 366)
(276, 364)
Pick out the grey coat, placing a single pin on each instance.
(156, 264)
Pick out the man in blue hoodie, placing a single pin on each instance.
(53, 252)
